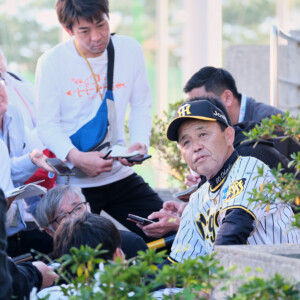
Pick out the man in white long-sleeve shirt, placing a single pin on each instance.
(73, 84)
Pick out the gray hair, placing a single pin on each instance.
(50, 203)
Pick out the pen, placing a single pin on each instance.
(107, 154)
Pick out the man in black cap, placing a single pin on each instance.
(169, 216)
(219, 212)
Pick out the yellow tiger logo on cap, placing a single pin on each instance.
(235, 189)
(184, 110)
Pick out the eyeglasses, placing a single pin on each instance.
(2, 82)
(78, 209)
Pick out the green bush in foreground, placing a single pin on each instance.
(138, 277)
(274, 288)
(286, 188)
(134, 279)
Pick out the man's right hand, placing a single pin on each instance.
(48, 275)
(167, 222)
(169, 219)
(91, 163)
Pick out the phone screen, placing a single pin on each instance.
(59, 166)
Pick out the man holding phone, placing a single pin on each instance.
(59, 167)
(90, 78)
(139, 220)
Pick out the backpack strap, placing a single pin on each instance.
(110, 65)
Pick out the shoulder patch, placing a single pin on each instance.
(235, 189)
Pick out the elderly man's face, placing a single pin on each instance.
(204, 146)
(68, 208)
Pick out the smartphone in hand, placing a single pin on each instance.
(140, 220)
(59, 167)
(138, 158)
(54, 265)
(22, 258)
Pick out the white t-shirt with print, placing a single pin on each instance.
(67, 99)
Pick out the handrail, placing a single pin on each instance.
(288, 37)
(274, 66)
(290, 82)
(275, 32)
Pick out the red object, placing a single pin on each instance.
(40, 174)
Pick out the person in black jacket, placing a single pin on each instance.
(219, 83)
(5, 278)
(17, 280)
(264, 150)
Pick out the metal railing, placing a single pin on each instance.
(275, 33)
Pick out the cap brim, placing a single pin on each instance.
(172, 130)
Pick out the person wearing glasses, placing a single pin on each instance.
(24, 162)
(65, 201)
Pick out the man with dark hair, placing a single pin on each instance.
(84, 86)
(217, 82)
(68, 12)
(88, 230)
(220, 212)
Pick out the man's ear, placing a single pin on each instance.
(227, 98)
(118, 253)
(68, 30)
(230, 135)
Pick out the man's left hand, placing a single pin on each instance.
(39, 159)
(136, 146)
